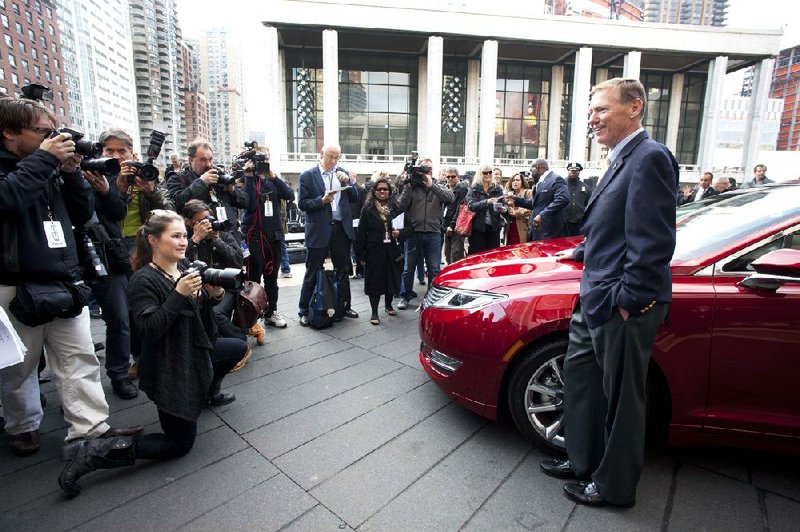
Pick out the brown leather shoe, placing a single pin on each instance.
(24, 444)
(115, 432)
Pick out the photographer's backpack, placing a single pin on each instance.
(324, 304)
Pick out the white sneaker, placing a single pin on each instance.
(276, 321)
(402, 304)
(286, 275)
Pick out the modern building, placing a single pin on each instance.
(733, 123)
(156, 38)
(607, 9)
(786, 86)
(31, 51)
(695, 12)
(382, 81)
(98, 56)
(195, 102)
(221, 82)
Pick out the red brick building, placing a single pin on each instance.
(785, 85)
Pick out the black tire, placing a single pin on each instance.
(536, 380)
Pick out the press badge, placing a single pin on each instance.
(268, 208)
(386, 238)
(55, 234)
(222, 214)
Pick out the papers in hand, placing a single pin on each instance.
(12, 350)
(339, 189)
(398, 222)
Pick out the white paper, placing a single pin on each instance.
(12, 350)
(399, 222)
(222, 214)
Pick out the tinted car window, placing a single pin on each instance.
(721, 220)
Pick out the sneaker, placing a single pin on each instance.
(257, 332)
(286, 275)
(402, 304)
(276, 321)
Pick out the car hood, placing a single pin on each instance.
(511, 265)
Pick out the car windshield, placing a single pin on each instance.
(720, 220)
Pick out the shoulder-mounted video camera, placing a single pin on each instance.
(147, 171)
(259, 159)
(415, 175)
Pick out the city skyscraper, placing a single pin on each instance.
(221, 82)
(156, 38)
(696, 12)
(196, 104)
(98, 58)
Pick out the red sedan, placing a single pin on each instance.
(724, 367)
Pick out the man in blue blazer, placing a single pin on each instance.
(550, 197)
(626, 288)
(329, 226)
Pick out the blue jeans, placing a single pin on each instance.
(284, 258)
(429, 245)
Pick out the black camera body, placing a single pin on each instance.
(103, 165)
(259, 160)
(216, 225)
(227, 278)
(147, 171)
(416, 176)
(87, 148)
(223, 178)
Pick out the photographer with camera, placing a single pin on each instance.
(202, 180)
(42, 195)
(423, 201)
(183, 360)
(262, 225)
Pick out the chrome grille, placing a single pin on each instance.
(434, 294)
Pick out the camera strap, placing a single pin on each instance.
(53, 231)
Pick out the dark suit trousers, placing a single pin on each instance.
(605, 374)
(339, 248)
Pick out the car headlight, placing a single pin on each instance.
(465, 299)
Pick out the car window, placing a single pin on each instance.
(744, 262)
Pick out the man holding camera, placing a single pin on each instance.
(201, 180)
(325, 195)
(423, 201)
(42, 194)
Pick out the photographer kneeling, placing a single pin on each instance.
(183, 361)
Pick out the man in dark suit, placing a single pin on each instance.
(702, 191)
(329, 226)
(625, 291)
(550, 196)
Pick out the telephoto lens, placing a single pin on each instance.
(104, 165)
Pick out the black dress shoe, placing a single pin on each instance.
(24, 444)
(350, 313)
(124, 388)
(584, 492)
(304, 321)
(219, 399)
(558, 469)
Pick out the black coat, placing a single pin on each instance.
(381, 259)
(451, 211)
(187, 185)
(478, 202)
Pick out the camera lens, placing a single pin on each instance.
(227, 278)
(104, 165)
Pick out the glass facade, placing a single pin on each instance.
(657, 111)
(566, 113)
(694, 90)
(454, 137)
(304, 101)
(521, 111)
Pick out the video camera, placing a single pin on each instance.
(227, 278)
(91, 152)
(251, 153)
(415, 175)
(148, 171)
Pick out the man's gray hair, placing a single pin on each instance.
(116, 134)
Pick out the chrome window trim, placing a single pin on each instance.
(720, 264)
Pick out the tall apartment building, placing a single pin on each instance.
(221, 82)
(98, 60)
(786, 86)
(195, 102)
(156, 38)
(31, 52)
(696, 12)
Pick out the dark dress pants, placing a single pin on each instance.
(265, 255)
(605, 375)
(573, 228)
(111, 293)
(484, 240)
(339, 248)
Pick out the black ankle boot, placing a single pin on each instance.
(85, 456)
(216, 397)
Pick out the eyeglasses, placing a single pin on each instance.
(381, 190)
(452, 177)
(43, 131)
(487, 173)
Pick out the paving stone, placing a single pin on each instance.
(446, 497)
(778, 474)
(267, 506)
(323, 457)
(782, 514)
(363, 488)
(383, 336)
(318, 518)
(301, 427)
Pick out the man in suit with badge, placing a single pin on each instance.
(579, 194)
(550, 196)
(324, 199)
(625, 291)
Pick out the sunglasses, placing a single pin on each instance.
(381, 190)
(487, 173)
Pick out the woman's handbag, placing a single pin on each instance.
(251, 303)
(464, 221)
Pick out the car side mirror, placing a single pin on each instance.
(774, 269)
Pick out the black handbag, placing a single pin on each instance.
(39, 303)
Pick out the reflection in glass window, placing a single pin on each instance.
(521, 111)
(694, 88)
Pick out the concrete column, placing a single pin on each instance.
(422, 105)
(713, 98)
(274, 89)
(762, 78)
(330, 86)
(674, 115)
(581, 86)
(595, 149)
(433, 137)
(473, 97)
(488, 102)
(554, 113)
(633, 60)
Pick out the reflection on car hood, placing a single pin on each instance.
(511, 265)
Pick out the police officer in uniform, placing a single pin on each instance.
(579, 194)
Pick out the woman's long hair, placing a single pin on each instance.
(156, 224)
(477, 179)
(370, 201)
(511, 180)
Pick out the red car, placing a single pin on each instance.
(725, 366)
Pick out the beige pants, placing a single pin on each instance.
(70, 356)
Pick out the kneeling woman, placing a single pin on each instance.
(183, 361)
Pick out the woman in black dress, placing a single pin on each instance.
(182, 362)
(378, 248)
